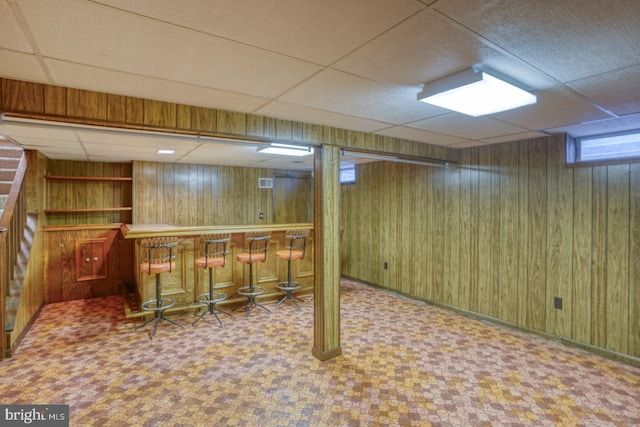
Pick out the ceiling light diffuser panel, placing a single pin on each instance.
(475, 93)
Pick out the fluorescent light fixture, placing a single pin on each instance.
(286, 149)
(161, 151)
(475, 93)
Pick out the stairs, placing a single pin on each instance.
(10, 156)
(19, 270)
(9, 160)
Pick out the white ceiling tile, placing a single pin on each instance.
(156, 49)
(21, 66)
(569, 39)
(422, 49)
(13, 38)
(119, 83)
(418, 135)
(554, 108)
(287, 111)
(47, 143)
(348, 94)
(285, 26)
(39, 130)
(611, 90)
(130, 139)
(467, 127)
(618, 124)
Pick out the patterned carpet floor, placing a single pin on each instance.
(404, 363)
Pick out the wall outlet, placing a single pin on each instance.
(386, 265)
(557, 303)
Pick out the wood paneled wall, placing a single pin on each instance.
(200, 195)
(40, 101)
(504, 233)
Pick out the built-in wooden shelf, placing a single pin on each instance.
(127, 208)
(89, 178)
(111, 198)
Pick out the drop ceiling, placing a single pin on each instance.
(352, 64)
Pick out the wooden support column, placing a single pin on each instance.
(327, 253)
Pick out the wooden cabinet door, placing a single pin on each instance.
(91, 259)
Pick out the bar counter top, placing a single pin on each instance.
(138, 231)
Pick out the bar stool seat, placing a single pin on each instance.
(256, 251)
(296, 246)
(158, 257)
(213, 256)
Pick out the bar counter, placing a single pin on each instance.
(187, 281)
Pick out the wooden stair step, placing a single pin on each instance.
(11, 312)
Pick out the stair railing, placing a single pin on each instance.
(12, 224)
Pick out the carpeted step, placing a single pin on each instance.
(10, 312)
(5, 187)
(9, 163)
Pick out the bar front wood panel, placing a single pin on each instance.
(524, 229)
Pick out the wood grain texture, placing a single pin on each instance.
(634, 260)
(527, 229)
(617, 294)
(181, 194)
(86, 104)
(582, 235)
(559, 240)
(22, 96)
(327, 275)
(87, 192)
(61, 276)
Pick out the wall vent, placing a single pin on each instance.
(265, 182)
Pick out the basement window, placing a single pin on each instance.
(612, 147)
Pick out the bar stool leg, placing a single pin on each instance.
(158, 312)
(288, 287)
(251, 296)
(211, 303)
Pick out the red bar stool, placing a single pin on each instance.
(256, 247)
(216, 248)
(295, 249)
(158, 256)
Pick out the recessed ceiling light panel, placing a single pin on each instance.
(475, 93)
